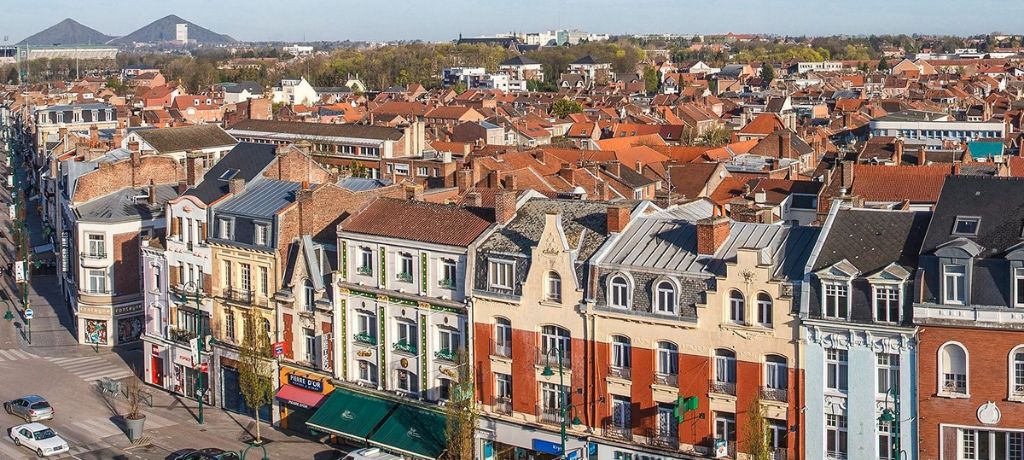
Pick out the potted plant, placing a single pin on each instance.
(134, 420)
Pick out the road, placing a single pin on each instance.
(56, 367)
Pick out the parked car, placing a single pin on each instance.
(370, 453)
(39, 438)
(210, 453)
(32, 408)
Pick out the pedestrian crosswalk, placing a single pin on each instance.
(91, 368)
(15, 355)
(83, 435)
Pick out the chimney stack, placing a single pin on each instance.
(464, 179)
(414, 192)
(898, 155)
(615, 168)
(193, 168)
(133, 146)
(846, 169)
(151, 196)
(618, 218)
(474, 199)
(94, 135)
(786, 144)
(236, 185)
(712, 232)
(504, 207)
(567, 173)
(182, 187)
(922, 158)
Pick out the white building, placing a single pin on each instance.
(933, 128)
(294, 91)
(298, 50)
(181, 33)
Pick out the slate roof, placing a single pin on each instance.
(182, 138)
(996, 200)
(318, 129)
(359, 184)
(519, 60)
(583, 222)
(418, 221)
(246, 160)
(873, 239)
(586, 60)
(261, 198)
(121, 205)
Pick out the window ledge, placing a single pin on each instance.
(942, 394)
(836, 393)
(1016, 398)
(755, 328)
(550, 303)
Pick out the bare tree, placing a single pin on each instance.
(461, 412)
(254, 372)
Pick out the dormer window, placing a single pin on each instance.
(261, 234)
(887, 303)
(499, 274)
(954, 280)
(966, 226)
(836, 300)
(1018, 287)
(224, 228)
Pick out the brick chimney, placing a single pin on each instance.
(94, 135)
(712, 232)
(133, 146)
(193, 168)
(474, 199)
(846, 171)
(136, 157)
(568, 173)
(922, 158)
(414, 192)
(786, 144)
(511, 182)
(236, 185)
(464, 179)
(504, 207)
(897, 157)
(615, 168)
(281, 150)
(182, 187)
(618, 218)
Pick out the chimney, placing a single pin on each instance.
(847, 119)
(511, 182)
(712, 232)
(922, 158)
(956, 168)
(281, 150)
(136, 157)
(236, 185)
(504, 207)
(615, 168)
(567, 173)
(151, 196)
(304, 146)
(414, 192)
(94, 135)
(133, 146)
(63, 133)
(898, 155)
(193, 168)
(474, 199)
(846, 169)
(464, 179)
(492, 179)
(182, 187)
(618, 218)
(786, 144)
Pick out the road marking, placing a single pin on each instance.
(92, 368)
(15, 354)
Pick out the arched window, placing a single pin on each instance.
(666, 298)
(502, 337)
(764, 309)
(618, 292)
(776, 378)
(668, 363)
(953, 369)
(554, 287)
(621, 357)
(737, 306)
(1017, 372)
(553, 340)
(725, 371)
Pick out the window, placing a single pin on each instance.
(967, 226)
(725, 366)
(401, 169)
(407, 335)
(310, 337)
(668, 358)
(246, 279)
(621, 352)
(835, 436)
(365, 262)
(97, 281)
(554, 287)
(621, 412)
(887, 303)
(969, 444)
(554, 339)
(405, 268)
(308, 296)
(885, 441)
(444, 389)
(666, 295)
(778, 435)
(736, 306)
(503, 387)
(448, 274)
(262, 234)
(229, 325)
(764, 309)
(888, 373)
(1017, 372)
(228, 281)
(406, 381)
(264, 280)
(502, 337)
(725, 426)
(422, 171)
(1018, 287)
(954, 284)
(499, 274)
(668, 427)
(448, 341)
(551, 396)
(836, 301)
(953, 369)
(835, 369)
(776, 373)
(366, 325)
(96, 245)
(618, 292)
(224, 228)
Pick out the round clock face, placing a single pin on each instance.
(989, 414)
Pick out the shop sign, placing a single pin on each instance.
(127, 309)
(305, 382)
(98, 311)
(624, 453)
(183, 359)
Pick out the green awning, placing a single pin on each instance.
(350, 414)
(414, 431)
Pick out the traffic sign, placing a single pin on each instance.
(278, 349)
(28, 313)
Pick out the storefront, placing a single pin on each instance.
(231, 392)
(604, 451)
(96, 323)
(299, 396)
(501, 440)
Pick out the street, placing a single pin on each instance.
(42, 357)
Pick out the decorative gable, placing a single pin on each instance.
(839, 271)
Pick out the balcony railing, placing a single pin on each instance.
(722, 388)
(180, 335)
(670, 380)
(549, 415)
(242, 296)
(404, 346)
(832, 455)
(501, 349)
(620, 372)
(613, 430)
(774, 394)
(94, 255)
(550, 359)
(404, 277)
(663, 438)
(445, 355)
(363, 337)
(503, 405)
(780, 454)
(446, 283)
(364, 271)
(954, 383)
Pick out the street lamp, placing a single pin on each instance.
(892, 417)
(563, 409)
(190, 288)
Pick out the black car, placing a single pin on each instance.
(210, 453)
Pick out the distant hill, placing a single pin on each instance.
(164, 29)
(67, 32)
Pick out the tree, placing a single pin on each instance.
(883, 64)
(254, 371)
(767, 74)
(461, 412)
(651, 79)
(757, 433)
(459, 88)
(716, 137)
(563, 107)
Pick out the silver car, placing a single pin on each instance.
(32, 408)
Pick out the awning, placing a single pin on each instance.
(350, 414)
(300, 396)
(414, 431)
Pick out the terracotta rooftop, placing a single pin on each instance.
(418, 221)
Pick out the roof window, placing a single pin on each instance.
(967, 226)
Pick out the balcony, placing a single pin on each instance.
(365, 338)
(549, 415)
(616, 431)
(775, 394)
(722, 388)
(365, 271)
(666, 439)
(93, 259)
(446, 355)
(404, 347)
(182, 336)
(503, 405)
(619, 372)
(780, 454)
(503, 350)
(244, 297)
(446, 283)
(550, 359)
(669, 380)
(404, 277)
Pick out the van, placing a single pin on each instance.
(370, 453)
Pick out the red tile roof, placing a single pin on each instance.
(918, 184)
(765, 123)
(418, 221)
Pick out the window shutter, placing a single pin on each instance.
(202, 231)
(175, 226)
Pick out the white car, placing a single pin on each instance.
(39, 438)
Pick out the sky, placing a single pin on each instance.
(383, 20)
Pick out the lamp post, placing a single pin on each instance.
(563, 406)
(190, 287)
(892, 417)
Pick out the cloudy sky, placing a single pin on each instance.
(295, 20)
